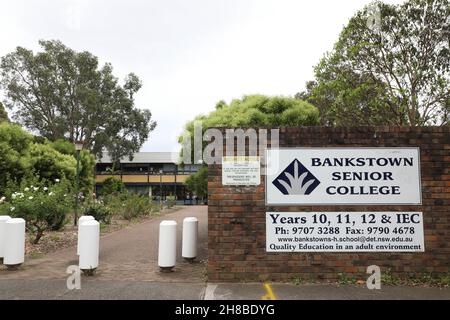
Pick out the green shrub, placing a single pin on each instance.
(98, 210)
(50, 164)
(171, 201)
(135, 206)
(129, 205)
(63, 146)
(112, 185)
(197, 183)
(86, 164)
(43, 204)
(57, 222)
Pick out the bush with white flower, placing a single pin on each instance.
(44, 205)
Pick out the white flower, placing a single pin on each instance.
(36, 189)
(30, 198)
(50, 194)
(2, 199)
(14, 195)
(21, 195)
(27, 189)
(13, 208)
(45, 188)
(56, 180)
(65, 195)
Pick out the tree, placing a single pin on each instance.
(197, 183)
(259, 111)
(62, 94)
(14, 153)
(255, 111)
(87, 163)
(23, 155)
(348, 99)
(252, 111)
(63, 146)
(391, 65)
(3, 114)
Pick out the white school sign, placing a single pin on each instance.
(344, 232)
(323, 176)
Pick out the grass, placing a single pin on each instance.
(387, 279)
(103, 228)
(36, 255)
(297, 281)
(54, 237)
(390, 279)
(344, 278)
(422, 279)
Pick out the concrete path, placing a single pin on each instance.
(130, 254)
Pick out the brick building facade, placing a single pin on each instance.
(236, 215)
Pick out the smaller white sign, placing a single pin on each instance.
(241, 171)
(344, 232)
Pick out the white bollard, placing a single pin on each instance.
(167, 252)
(3, 220)
(190, 237)
(89, 246)
(80, 221)
(14, 249)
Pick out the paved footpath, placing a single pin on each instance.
(128, 269)
(129, 254)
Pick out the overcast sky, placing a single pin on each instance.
(189, 54)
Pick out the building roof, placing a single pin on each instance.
(145, 157)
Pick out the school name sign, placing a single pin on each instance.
(323, 176)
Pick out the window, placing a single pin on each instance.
(134, 168)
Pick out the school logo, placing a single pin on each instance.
(296, 179)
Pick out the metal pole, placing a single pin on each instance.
(175, 187)
(76, 188)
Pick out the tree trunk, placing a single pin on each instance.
(39, 235)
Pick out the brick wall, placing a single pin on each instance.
(236, 215)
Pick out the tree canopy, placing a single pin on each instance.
(63, 94)
(391, 65)
(259, 111)
(252, 111)
(23, 157)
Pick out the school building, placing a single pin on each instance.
(152, 173)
